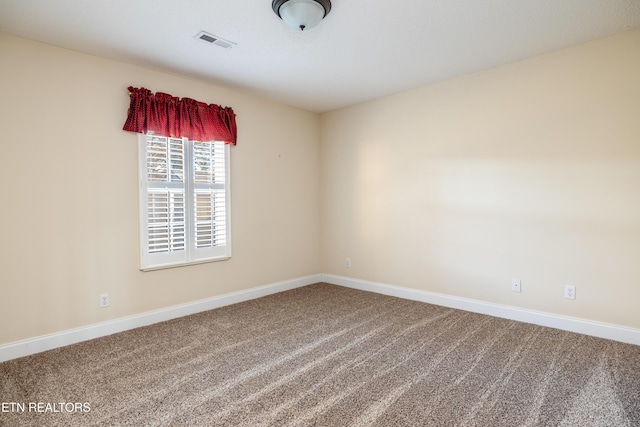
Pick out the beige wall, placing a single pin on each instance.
(528, 171)
(69, 193)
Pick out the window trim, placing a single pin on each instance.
(189, 256)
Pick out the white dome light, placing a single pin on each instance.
(301, 14)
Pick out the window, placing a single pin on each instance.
(184, 201)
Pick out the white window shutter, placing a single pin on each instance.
(166, 221)
(183, 201)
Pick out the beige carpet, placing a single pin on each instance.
(324, 355)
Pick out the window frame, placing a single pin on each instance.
(190, 255)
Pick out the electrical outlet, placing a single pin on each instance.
(348, 263)
(104, 300)
(515, 285)
(570, 292)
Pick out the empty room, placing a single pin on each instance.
(320, 213)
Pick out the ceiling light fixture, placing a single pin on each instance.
(302, 14)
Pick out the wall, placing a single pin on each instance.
(528, 171)
(70, 196)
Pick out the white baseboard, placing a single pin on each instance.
(572, 324)
(72, 336)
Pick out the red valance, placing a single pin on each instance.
(167, 115)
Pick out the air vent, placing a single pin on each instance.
(211, 39)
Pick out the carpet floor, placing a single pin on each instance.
(324, 355)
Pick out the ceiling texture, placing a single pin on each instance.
(364, 49)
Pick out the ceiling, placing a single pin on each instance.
(364, 49)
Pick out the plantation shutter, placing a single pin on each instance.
(166, 195)
(209, 202)
(183, 202)
(166, 226)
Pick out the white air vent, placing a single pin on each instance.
(211, 39)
